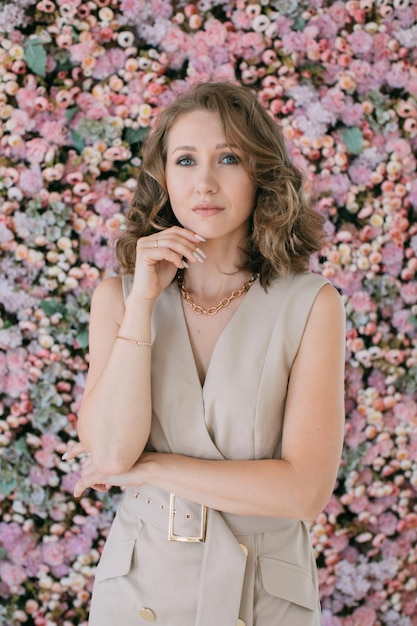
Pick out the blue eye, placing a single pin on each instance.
(185, 161)
(229, 159)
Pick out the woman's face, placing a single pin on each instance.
(210, 190)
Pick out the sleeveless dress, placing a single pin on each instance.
(217, 569)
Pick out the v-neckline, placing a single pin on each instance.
(220, 338)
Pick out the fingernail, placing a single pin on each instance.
(185, 264)
(65, 456)
(201, 253)
(198, 257)
(199, 237)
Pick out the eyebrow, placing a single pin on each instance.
(219, 146)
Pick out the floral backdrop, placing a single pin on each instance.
(80, 85)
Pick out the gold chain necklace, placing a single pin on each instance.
(212, 310)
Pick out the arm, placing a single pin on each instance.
(116, 409)
(299, 484)
(115, 415)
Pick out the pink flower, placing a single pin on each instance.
(54, 131)
(387, 523)
(338, 13)
(21, 122)
(53, 553)
(26, 97)
(294, 42)
(94, 108)
(216, 32)
(50, 441)
(392, 256)
(81, 51)
(36, 150)
(45, 458)
(401, 321)
(334, 100)
(175, 44)
(109, 63)
(352, 115)
(397, 76)
(12, 575)
(360, 42)
(406, 411)
(30, 181)
(241, 20)
(132, 9)
(412, 195)
(364, 616)
(355, 430)
(359, 174)
(362, 302)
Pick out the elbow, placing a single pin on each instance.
(112, 464)
(313, 505)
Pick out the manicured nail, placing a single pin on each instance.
(201, 253)
(199, 237)
(198, 257)
(185, 264)
(65, 456)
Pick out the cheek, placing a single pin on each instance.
(249, 193)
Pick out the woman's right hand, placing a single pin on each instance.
(160, 255)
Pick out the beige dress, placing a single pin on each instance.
(218, 569)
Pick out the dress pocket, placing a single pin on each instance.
(116, 560)
(289, 582)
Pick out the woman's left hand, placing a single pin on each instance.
(92, 478)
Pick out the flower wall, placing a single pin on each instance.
(80, 85)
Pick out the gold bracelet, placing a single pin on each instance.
(135, 341)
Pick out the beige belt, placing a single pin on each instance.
(223, 557)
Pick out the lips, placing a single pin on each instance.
(207, 210)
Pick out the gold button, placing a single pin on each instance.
(240, 622)
(147, 615)
(245, 552)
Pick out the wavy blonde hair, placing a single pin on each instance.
(284, 229)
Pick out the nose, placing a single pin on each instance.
(206, 182)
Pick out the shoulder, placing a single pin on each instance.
(108, 297)
(328, 312)
(299, 288)
(108, 287)
(309, 298)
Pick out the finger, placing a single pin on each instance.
(168, 244)
(74, 449)
(180, 232)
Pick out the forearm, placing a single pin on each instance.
(272, 488)
(115, 416)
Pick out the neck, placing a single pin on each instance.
(209, 282)
(211, 308)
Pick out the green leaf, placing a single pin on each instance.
(71, 112)
(7, 485)
(412, 320)
(21, 446)
(353, 139)
(135, 135)
(50, 307)
(77, 141)
(299, 23)
(82, 338)
(35, 56)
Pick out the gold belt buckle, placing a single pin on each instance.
(193, 539)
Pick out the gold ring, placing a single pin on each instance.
(156, 243)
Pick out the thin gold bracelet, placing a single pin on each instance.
(135, 341)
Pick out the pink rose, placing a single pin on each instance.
(36, 150)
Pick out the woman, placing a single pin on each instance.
(215, 387)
